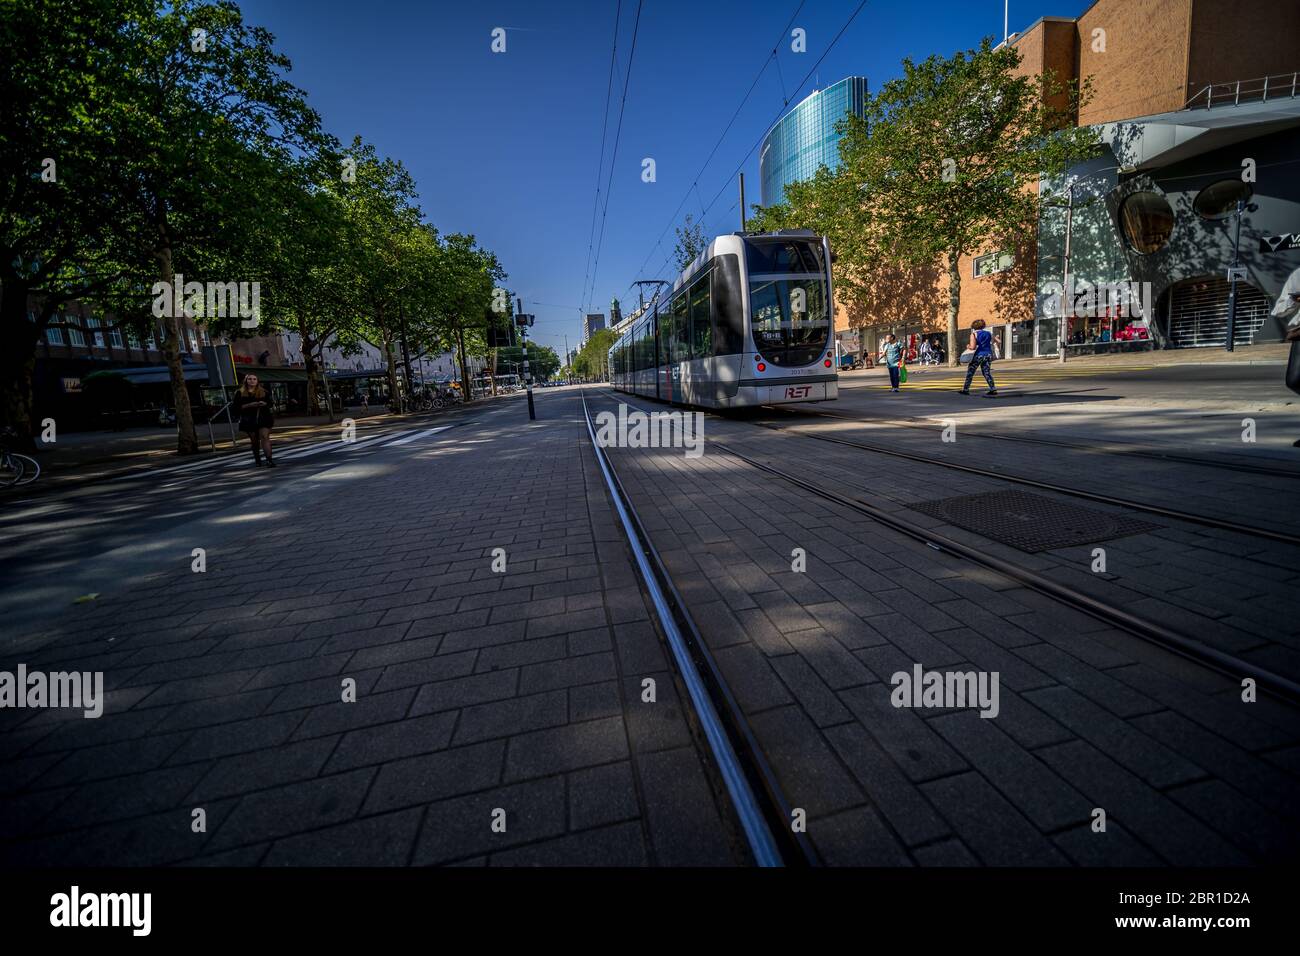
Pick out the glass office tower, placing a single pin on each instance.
(805, 138)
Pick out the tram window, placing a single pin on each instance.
(784, 255)
(701, 322)
(728, 306)
(667, 336)
(681, 328)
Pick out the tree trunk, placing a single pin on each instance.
(492, 373)
(186, 440)
(17, 364)
(311, 368)
(406, 352)
(954, 304)
(390, 359)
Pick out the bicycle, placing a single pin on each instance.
(15, 469)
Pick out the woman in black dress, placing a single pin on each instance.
(253, 406)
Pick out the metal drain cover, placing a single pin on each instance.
(1031, 522)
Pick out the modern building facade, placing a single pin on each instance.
(592, 323)
(805, 138)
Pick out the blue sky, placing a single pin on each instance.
(506, 146)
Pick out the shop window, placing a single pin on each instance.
(995, 262)
(1219, 200)
(1148, 221)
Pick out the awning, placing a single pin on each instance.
(149, 375)
(269, 374)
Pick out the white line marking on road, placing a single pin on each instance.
(424, 434)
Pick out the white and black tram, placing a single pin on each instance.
(747, 323)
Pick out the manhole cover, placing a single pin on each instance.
(1031, 522)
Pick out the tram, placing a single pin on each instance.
(747, 323)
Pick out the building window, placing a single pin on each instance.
(74, 333)
(132, 340)
(994, 262)
(1148, 221)
(93, 325)
(115, 338)
(53, 336)
(1219, 200)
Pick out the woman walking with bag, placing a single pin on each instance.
(253, 406)
(985, 350)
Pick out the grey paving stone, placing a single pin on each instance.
(592, 701)
(247, 772)
(338, 716)
(417, 780)
(639, 648)
(615, 846)
(465, 691)
(1025, 781)
(139, 794)
(681, 818)
(944, 853)
(255, 733)
(809, 773)
(751, 679)
(427, 670)
(602, 795)
(818, 700)
(385, 742)
(1115, 847)
(570, 672)
(856, 837)
(462, 827)
(1148, 758)
(997, 833)
(560, 749)
(918, 750)
(384, 840)
(1144, 812)
(511, 716)
(293, 808)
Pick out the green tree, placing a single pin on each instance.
(690, 242)
(592, 361)
(947, 161)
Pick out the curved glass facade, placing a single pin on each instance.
(805, 138)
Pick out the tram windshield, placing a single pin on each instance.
(790, 320)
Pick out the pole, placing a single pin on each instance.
(528, 376)
(742, 202)
(1232, 281)
(1067, 295)
(1005, 35)
(566, 354)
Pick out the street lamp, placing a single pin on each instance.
(1235, 273)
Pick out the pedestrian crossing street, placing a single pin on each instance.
(948, 381)
(296, 452)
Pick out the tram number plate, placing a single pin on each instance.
(798, 391)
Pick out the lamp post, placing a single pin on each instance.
(1234, 273)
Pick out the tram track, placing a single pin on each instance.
(763, 811)
(1190, 648)
(1164, 457)
(1209, 521)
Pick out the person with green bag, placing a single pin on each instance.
(891, 353)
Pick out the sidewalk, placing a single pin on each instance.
(498, 715)
(1273, 353)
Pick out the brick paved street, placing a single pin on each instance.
(475, 690)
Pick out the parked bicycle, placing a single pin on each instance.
(15, 469)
